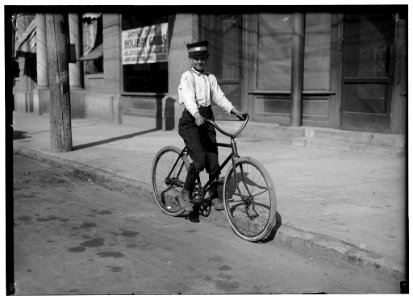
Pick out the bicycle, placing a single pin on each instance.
(248, 191)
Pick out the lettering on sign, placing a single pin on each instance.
(145, 44)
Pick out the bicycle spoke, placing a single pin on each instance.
(168, 164)
(248, 200)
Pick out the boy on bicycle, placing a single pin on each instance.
(196, 91)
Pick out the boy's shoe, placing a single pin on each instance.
(216, 202)
(194, 215)
(185, 200)
(214, 197)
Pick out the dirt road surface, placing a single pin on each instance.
(74, 237)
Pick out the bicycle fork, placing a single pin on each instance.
(248, 199)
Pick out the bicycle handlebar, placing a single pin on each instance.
(231, 135)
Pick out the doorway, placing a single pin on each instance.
(367, 57)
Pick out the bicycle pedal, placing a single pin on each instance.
(193, 201)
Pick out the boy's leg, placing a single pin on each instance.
(185, 196)
(189, 131)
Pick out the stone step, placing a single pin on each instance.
(367, 142)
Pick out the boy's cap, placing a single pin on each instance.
(198, 49)
(198, 46)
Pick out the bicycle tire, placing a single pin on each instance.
(165, 194)
(251, 218)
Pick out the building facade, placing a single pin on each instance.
(336, 69)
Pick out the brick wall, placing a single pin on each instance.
(183, 32)
(112, 52)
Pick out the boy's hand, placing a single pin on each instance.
(199, 120)
(237, 113)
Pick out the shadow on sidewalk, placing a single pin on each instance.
(17, 135)
(114, 139)
(277, 226)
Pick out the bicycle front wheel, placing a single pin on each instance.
(250, 201)
(168, 177)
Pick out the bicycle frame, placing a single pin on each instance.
(232, 156)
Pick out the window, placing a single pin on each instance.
(92, 43)
(317, 52)
(224, 35)
(274, 51)
(367, 63)
(144, 53)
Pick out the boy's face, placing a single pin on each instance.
(199, 63)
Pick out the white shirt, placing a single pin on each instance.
(198, 89)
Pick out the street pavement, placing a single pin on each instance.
(330, 202)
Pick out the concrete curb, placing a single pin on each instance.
(312, 244)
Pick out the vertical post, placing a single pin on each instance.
(57, 50)
(41, 51)
(297, 69)
(75, 69)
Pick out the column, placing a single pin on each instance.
(41, 52)
(75, 69)
(41, 96)
(297, 69)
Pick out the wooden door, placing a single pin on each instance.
(367, 72)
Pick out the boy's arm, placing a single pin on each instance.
(187, 94)
(219, 98)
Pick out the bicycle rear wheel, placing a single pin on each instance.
(250, 201)
(168, 177)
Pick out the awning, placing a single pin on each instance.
(93, 53)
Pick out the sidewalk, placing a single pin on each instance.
(341, 204)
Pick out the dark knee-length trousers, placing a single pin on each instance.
(200, 140)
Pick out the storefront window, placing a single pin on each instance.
(274, 51)
(367, 63)
(224, 35)
(144, 54)
(317, 52)
(92, 43)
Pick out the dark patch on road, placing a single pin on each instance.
(87, 225)
(76, 249)
(111, 254)
(226, 285)
(93, 243)
(114, 269)
(47, 219)
(207, 278)
(224, 268)
(52, 218)
(225, 276)
(131, 246)
(84, 226)
(127, 233)
(105, 212)
(26, 219)
(130, 234)
(26, 195)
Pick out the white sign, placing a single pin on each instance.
(145, 44)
